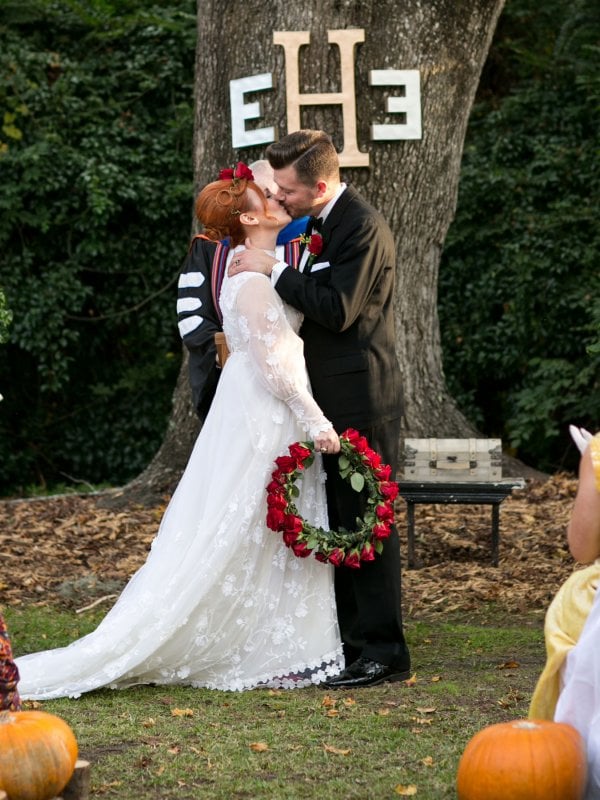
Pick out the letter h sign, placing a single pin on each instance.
(409, 104)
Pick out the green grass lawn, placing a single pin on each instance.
(395, 740)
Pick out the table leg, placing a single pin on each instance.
(410, 518)
(495, 533)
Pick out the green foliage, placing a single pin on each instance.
(519, 282)
(95, 214)
(5, 317)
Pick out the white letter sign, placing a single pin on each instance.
(410, 104)
(241, 111)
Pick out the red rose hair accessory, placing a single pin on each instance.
(229, 196)
(240, 172)
(362, 468)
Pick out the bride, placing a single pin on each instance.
(221, 602)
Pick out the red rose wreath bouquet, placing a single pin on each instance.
(362, 467)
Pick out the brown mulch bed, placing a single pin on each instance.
(74, 551)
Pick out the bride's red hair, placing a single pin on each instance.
(219, 205)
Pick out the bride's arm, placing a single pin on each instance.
(277, 352)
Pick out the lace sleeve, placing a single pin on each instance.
(276, 351)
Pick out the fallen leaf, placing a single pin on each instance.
(336, 750)
(333, 712)
(406, 791)
(383, 712)
(427, 761)
(436, 678)
(348, 701)
(328, 702)
(148, 723)
(259, 747)
(412, 680)
(182, 712)
(426, 710)
(509, 665)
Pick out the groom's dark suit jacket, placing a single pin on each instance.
(348, 329)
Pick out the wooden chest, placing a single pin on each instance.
(452, 460)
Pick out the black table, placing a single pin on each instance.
(471, 492)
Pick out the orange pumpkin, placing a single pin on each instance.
(38, 752)
(523, 760)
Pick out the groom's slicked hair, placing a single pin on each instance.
(311, 153)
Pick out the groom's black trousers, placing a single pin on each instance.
(368, 599)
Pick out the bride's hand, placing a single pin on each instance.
(327, 442)
(252, 259)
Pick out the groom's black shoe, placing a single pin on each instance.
(365, 672)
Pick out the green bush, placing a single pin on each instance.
(519, 282)
(95, 202)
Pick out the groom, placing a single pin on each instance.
(346, 293)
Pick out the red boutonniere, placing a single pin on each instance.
(314, 243)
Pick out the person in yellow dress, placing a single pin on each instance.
(568, 688)
(571, 606)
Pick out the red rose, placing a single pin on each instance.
(276, 500)
(321, 557)
(299, 452)
(352, 560)
(381, 530)
(336, 557)
(373, 458)
(276, 485)
(275, 517)
(385, 512)
(368, 552)
(290, 538)
(286, 463)
(351, 435)
(301, 550)
(361, 445)
(226, 175)
(315, 244)
(389, 489)
(383, 472)
(242, 171)
(292, 523)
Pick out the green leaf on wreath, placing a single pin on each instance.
(294, 490)
(343, 463)
(357, 482)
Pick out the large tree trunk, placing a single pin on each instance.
(414, 183)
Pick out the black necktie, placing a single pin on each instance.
(314, 224)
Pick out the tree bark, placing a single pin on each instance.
(414, 183)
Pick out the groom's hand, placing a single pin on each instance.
(252, 259)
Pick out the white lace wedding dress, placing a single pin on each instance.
(221, 602)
